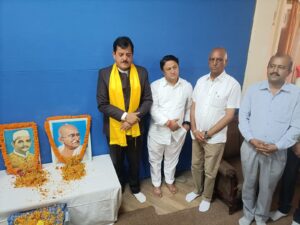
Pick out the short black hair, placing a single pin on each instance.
(167, 58)
(123, 42)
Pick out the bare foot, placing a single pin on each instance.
(172, 188)
(157, 191)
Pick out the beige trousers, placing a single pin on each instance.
(206, 160)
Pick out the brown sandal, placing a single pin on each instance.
(157, 191)
(172, 188)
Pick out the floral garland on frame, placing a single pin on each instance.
(14, 126)
(51, 140)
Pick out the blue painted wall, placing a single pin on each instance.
(51, 50)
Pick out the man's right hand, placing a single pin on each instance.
(261, 147)
(125, 126)
(173, 125)
(132, 118)
(256, 143)
(199, 135)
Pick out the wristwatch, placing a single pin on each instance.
(206, 136)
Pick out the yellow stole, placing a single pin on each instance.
(116, 98)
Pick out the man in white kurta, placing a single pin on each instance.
(170, 117)
(215, 98)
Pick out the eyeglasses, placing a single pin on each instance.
(218, 60)
(72, 135)
(280, 67)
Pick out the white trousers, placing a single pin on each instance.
(262, 172)
(170, 153)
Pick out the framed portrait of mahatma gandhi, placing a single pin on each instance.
(69, 137)
(20, 146)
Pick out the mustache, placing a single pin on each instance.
(125, 61)
(275, 73)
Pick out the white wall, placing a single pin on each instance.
(264, 39)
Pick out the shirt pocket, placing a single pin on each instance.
(218, 100)
(282, 114)
(282, 118)
(282, 108)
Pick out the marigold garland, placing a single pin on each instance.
(31, 178)
(73, 169)
(51, 140)
(12, 126)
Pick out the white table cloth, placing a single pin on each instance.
(93, 200)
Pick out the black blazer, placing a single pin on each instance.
(109, 110)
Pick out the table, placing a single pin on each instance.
(93, 200)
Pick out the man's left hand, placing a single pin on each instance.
(267, 149)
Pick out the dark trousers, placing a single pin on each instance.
(132, 153)
(297, 214)
(289, 179)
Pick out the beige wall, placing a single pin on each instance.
(264, 39)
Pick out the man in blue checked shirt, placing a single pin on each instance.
(269, 119)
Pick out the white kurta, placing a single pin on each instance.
(169, 102)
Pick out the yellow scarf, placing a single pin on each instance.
(116, 98)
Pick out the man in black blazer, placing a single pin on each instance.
(118, 116)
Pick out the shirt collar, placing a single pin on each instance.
(265, 86)
(165, 82)
(123, 71)
(19, 154)
(220, 78)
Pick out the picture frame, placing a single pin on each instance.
(69, 137)
(19, 144)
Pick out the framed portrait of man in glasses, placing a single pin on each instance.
(69, 137)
